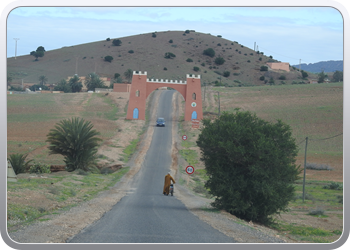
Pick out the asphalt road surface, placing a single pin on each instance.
(145, 215)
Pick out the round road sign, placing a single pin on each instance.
(184, 137)
(189, 169)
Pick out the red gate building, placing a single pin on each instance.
(141, 87)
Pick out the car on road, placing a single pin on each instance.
(160, 122)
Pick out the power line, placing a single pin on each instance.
(326, 138)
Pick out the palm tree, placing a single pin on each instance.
(75, 84)
(19, 163)
(42, 80)
(93, 81)
(76, 141)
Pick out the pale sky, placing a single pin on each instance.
(312, 34)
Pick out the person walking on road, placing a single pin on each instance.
(167, 183)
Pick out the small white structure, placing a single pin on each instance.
(11, 175)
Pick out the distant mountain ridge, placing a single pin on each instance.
(326, 66)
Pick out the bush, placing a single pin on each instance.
(262, 78)
(219, 61)
(317, 211)
(195, 68)
(334, 186)
(131, 51)
(38, 168)
(154, 35)
(76, 141)
(209, 52)
(19, 163)
(108, 58)
(226, 73)
(117, 42)
(169, 55)
(282, 77)
(170, 41)
(250, 164)
(263, 68)
(189, 60)
(316, 166)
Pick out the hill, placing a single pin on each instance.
(145, 52)
(326, 66)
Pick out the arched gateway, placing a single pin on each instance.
(141, 87)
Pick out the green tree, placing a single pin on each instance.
(321, 77)
(250, 164)
(19, 163)
(304, 74)
(77, 141)
(93, 81)
(219, 61)
(196, 68)
(108, 58)
(128, 75)
(226, 73)
(209, 52)
(338, 76)
(75, 84)
(63, 86)
(38, 53)
(36, 87)
(42, 80)
(117, 42)
(263, 68)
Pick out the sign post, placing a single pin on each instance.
(184, 137)
(195, 123)
(189, 170)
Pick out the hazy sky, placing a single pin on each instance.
(311, 34)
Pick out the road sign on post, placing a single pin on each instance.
(195, 123)
(189, 169)
(184, 137)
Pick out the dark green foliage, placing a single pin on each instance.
(282, 77)
(226, 73)
(108, 39)
(154, 35)
(93, 81)
(195, 68)
(304, 74)
(209, 52)
(263, 68)
(250, 164)
(165, 68)
(131, 51)
(76, 141)
(187, 31)
(219, 61)
(334, 186)
(128, 74)
(75, 84)
(189, 60)
(117, 42)
(116, 75)
(321, 77)
(108, 58)
(169, 55)
(19, 163)
(36, 87)
(262, 78)
(338, 76)
(38, 168)
(170, 41)
(42, 80)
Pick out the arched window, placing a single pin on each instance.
(137, 93)
(194, 96)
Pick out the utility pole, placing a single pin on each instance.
(76, 65)
(304, 169)
(16, 39)
(219, 101)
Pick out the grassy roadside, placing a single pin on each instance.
(32, 197)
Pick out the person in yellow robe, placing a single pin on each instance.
(167, 183)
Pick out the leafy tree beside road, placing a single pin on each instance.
(250, 164)
(93, 81)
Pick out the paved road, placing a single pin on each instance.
(145, 215)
